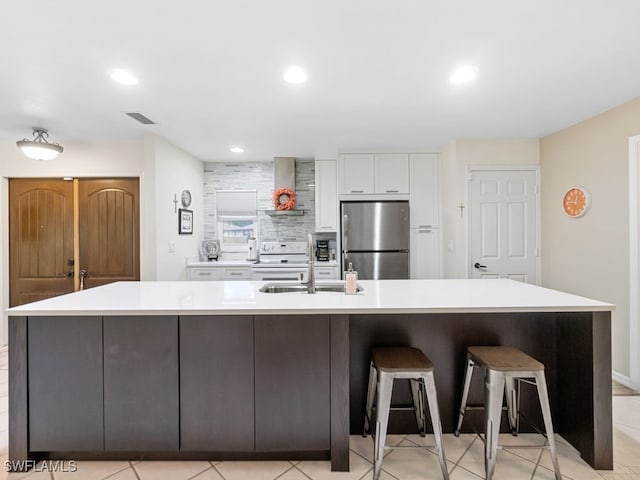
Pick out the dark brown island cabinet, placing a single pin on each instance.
(263, 382)
(170, 384)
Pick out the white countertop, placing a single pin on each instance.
(379, 296)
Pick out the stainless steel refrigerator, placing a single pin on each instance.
(375, 239)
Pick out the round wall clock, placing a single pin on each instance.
(185, 197)
(576, 202)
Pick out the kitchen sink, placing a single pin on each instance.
(279, 287)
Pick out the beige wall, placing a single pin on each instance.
(590, 256)
(456, 158)
(171, 170)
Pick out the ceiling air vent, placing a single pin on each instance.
(141, 118)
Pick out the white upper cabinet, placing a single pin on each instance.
(392, 173)
(357, 173)
(424, 198)
(368, 173)
(326, 196)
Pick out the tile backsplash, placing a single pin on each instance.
(259, 176)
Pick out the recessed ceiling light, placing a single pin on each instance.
(464, 74)
(123, 77)
(237, 149)
(295, 75)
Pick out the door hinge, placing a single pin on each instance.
(536, 189)
(470, 176)
(537, 252)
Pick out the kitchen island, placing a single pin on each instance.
(220, 370)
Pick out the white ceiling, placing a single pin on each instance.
(211, 71)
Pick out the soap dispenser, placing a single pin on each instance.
(350, 281)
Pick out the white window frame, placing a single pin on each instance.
(235, 247)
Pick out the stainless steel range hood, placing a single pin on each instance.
(284, 176)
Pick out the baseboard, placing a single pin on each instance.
(621, 379)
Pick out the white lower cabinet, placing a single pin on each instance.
(326, 272)
(212, 273)
(425, 253)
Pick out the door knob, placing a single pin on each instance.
(478, 266)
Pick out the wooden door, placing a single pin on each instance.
(109, 230)
(503, 236)
(40, 239)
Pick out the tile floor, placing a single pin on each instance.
(464, 455)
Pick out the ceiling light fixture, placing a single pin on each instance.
(295, 75)
(39, 148)
(237, 149)
(464, 74)
(123, 77)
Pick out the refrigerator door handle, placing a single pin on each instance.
(345, 219)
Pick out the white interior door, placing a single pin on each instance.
(503, 211)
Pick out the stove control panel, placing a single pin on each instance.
(283, 248)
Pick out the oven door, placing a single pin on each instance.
(268, 274)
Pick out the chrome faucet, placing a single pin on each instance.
(311, 277)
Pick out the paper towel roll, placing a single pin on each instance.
(253, 249)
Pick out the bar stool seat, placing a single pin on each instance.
(388, 364)
(504, 366)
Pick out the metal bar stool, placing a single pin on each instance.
(504, 367)
(387, 364)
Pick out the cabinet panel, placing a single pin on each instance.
(216, 383)
(292, 383)
(65, 384)
(357, 173)
(215, 272)
(236, 273)
(392, 173)
(326, 273)
(326, 196)
(141, 398)
(424, 198)
(204, 274)
(425, 253)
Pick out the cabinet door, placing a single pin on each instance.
(326, 273)
(424, 198)
(216, 383)
(204, 274)
(292, 383)
(357, 172)
(326, 196)
(237, 273)
(392, 173)
(141, 397)
(425, 253)
(65, 384)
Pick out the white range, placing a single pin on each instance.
(281, 261)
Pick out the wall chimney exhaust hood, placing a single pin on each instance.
(284, 176)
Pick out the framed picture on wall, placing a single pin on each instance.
(185, 221)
